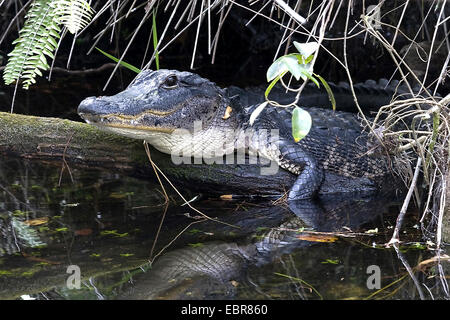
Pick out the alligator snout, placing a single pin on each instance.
(87, 106)
(92, 109)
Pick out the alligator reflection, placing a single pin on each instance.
(106, 225)
(215, 269)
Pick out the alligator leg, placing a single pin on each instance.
(298, 161)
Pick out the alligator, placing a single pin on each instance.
(181, 113)
(216, 264)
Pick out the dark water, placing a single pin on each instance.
(106, 226)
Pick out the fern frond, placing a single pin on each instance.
(74, 14)
(37, 39)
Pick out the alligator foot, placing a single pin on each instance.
(298, 161)
(306, 185)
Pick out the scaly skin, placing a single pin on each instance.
(164, 108)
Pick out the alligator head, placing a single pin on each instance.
(156, 104)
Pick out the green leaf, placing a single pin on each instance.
(74, 14)
(155, 39)
(38, 72)
(53, 41)
(285, 63)
(307, 74)
(272, 84)
(291, 62)
(330, 261)
(126, 255)
(36, 39)
(301, 123)
(122, 63)
(309, 59)
(275, 69)
(55, 34)
(306, 49)
(42, 58)
(330, 93)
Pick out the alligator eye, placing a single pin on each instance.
(171, 82)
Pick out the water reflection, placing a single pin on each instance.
(106, 224)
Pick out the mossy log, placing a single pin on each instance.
(78, 144)
(54, 139)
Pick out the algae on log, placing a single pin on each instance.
(56, 140)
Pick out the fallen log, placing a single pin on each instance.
(61, 141)
(78, 144)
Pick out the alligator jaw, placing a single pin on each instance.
(113, 124)
(147, 124)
